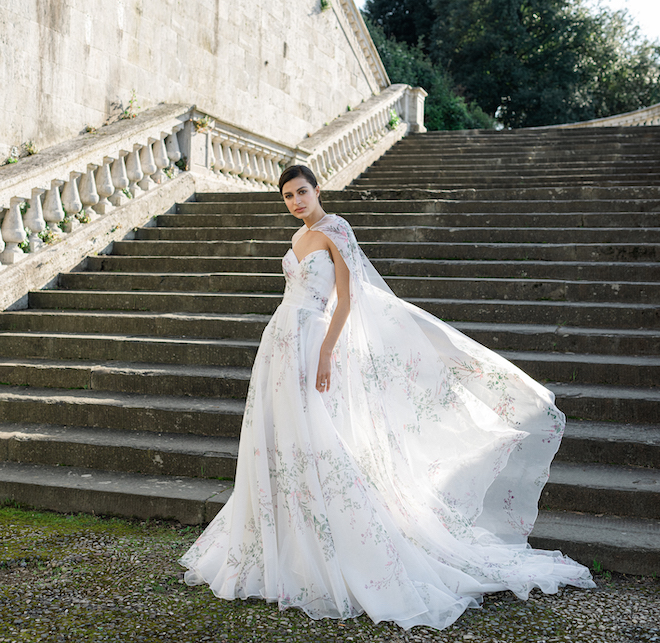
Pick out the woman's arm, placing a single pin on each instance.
(339, 317)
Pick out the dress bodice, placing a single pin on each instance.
(310, 283)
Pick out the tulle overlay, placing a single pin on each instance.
(407, 490)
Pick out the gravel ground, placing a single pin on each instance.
(81, 578)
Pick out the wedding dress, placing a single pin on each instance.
(406, 491)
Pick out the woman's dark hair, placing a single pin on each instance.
(294, 171)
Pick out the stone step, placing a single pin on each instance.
(170, 454)
(112, 410)
(126, 377)
(603, 489)
(126, 348)
(556, 313)
(207, 303)
(613, 370)
(608, 403)
(454, 287)
(562, 339)
(569, 270)
(583, 252)
(191, 501)
(439, 182)
(404, 234)
(369, 216)
(496, 158)
(611, 443)
(494, 335)
(170, 324)
(624, 545)
(78, 361)
(448, 201)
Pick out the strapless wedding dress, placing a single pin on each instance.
(406, 491)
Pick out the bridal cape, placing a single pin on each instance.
(406, 491)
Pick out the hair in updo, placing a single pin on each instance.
(293, 172)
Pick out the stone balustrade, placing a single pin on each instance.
(45, 198)
(639, 117)
(50, 194)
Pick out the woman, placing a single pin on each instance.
(388, 464)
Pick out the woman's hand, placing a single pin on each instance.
(323, 372)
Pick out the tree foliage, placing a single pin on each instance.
(530, 62)
(444, 110)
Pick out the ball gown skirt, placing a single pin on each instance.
(408, 489)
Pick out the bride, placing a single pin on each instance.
(388, 464)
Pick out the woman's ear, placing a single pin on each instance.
(317, 190)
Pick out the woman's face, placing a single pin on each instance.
(301, 198)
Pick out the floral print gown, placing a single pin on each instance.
(406, 491)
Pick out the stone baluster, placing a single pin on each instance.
(172, 147)
(254, 164)
(53, 210)
(273, 170)
(13, 232)
(161, 159)
(238, 159)
(88, 192)
(228, 157)
(247, 168)
(261, 167)
(2, 242)
(148, 165)
(219, 155)
(34, 220)
(104, 186)
(119, 180)
(71, 202)
(134, 170)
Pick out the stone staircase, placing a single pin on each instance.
(124, 385)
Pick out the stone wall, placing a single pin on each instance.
(278, 68)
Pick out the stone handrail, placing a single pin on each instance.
(338, 144)
(47, 196)
(639, 117)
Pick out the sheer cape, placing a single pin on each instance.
(445, 400)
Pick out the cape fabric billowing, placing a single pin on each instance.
(407, 490)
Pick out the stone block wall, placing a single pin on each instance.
(279, 68)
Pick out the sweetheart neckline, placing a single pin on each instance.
(299, 261)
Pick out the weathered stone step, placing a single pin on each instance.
(494, 335)
(112, 410)
(130, 377)
(557, 313)
(625, 545)
(409, 233)
(598, 489)
(448, 201)
(370, 216)
(562, 339)
(569, 270)
(222, 303)
(611, 443)
(499, 158)
(597, 315)
(170, 324)
(170, 454)
(123, 348)
(582, 252)
(173, 282)
(608, 403)
(191, 501)
(439, 182)
(613, 370)
(454, 287)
